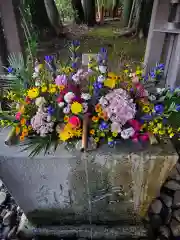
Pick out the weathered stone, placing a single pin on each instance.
(3, 213)
(156, 206)
(175, 227)
(176, 214)
(167, 200)
(178, 167)
(165, 231)
(8, 218)
(172, 185)
(176, 201)
(12, 233)
(2, 197)
(1, 183)
(6, 231)
(169, 216)
(175, 174)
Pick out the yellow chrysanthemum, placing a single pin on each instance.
(102, 134)
(110, 83)
(64, 135)
(76, 108)
(21, 138)
(78, 133)
(25, 132)
(23, 121)
(98, 108)
(66, 118)
(171, 135)
(52, 88)
(96, 139)
(162, 132)
(44, 89)
(146, 109)
(33, 93)
(29, 128)
(95, 119)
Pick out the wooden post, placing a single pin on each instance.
(9, 11)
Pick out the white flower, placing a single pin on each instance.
(85, 107)
(116, 127)
(152, 97)
(127, 133)
(68, 97)
(61, 104)
(103, 101)
(48, 118)
(86, 96)
(101, 78)
(38, 83)
(17, 106)
(66, 110)
(103, 69)
(76, 78)
(35, 75)
(40, 101)
(160, 90)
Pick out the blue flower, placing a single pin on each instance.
(178, 107)
(48, 58)
(76, 43)
(103, 50)
(97, 85)
(146, 117)
(153, 74)
(111, 144)
(103, 126)
(160, 66)
(10, 70)
(50, 110)
(159, 108)
(74, 65)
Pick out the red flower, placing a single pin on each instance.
(59, 99)
(135, 124)
(28, 100)
(144, 137)
(75, 122)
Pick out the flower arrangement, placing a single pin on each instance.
(51, 107)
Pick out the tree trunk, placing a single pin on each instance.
(115, 8)
(54, 16)
(90, 12)
(78, 11)
(40, 19)
(101, 15)
(126, 11)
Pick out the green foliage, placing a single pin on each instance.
(65, 9)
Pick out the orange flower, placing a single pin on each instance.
(98, 108)
(95, 119)
(101, 115)
(92, 131)
(23, 121)
(66, 118)
(21, 137)
(17, 130)
(61, 87)
(25, 132)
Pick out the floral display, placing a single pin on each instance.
(50, 106)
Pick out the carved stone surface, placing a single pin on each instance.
(105, 185)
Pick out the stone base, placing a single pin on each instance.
(27, 230)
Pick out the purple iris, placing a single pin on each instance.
(103, 126)
(75, 43)
(159, 108)
(178, 107)
(50, 110)
(160, 66)
(146, 117)
(10, 70)
(48, 58)
(153, 74)
(111, 143)
(98, 85)
(74, 65)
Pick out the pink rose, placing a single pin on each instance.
(61, 80)
(18, 116)
(75, 122)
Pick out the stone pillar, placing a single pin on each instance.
(11, 23)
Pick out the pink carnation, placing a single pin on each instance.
(75, 122)
(18, 116)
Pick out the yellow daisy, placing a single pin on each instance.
(76, 108)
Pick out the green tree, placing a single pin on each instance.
(90, 12)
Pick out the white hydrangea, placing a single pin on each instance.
(68, 97)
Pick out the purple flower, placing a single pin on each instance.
(10, 70)
(75, 43)
(178, 107)
(74, 65)
(159, 108)
(50, 110)
(98, 85)
(61, 80)
(48, 58)
(111, 143)
(103, 126)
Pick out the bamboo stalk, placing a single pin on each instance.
(85, 133)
